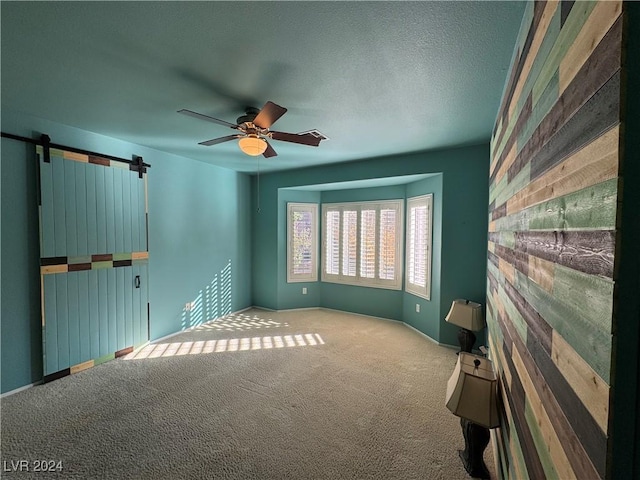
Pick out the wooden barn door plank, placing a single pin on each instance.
(93, 225)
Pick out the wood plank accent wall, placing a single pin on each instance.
(552, 235)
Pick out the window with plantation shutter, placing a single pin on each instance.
(332, 243)
(362, 243)
(302, 251)
(368, 243)
(418, 251)
(349, 242)
(387, 254)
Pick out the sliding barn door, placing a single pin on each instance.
(94, 255)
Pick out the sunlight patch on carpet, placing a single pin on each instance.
(239, 322)
(225, 345)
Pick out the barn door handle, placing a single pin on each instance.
(137, 281)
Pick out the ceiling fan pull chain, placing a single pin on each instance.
(258, 209)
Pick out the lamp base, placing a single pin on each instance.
(466, 339)
(476, 439)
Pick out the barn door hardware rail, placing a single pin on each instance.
(136, 164)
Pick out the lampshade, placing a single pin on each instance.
(466, 314)
(252, 145)
(472, 390)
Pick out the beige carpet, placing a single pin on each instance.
(310, 394)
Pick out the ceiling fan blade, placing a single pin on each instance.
(269, 114)
(207, 118)
(209, 84)
(269, 152)
(215, 141)
(304, 139)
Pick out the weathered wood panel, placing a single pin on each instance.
(550, 143)
(593, 391)
(552, 234)
(552, 455)
(550, 60)
(583, 51)
(589, 251)
(540, 330)
(589, 208)
(596, 71)
(542, 14)
(593, 164)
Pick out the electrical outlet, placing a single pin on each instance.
(304, 290)
(417, 308)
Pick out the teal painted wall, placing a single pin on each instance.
(377, 302)
(199, 243)
(264, 227)
(199, 237)
(393, 192)
(464, 197)
(290, 295)
(428, 320)
(21, 322)
(464, 248)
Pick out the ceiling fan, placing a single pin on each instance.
(253, 128)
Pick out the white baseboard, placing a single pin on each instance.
(243, 310)
(447, 345)
(258, 307)
(360, 314)
(25, 387)
(301, 309)
(454, 347)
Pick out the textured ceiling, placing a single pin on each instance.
(377, 78)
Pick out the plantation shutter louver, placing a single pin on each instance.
(418, 254)
(332, 250)
(417, 245)
(349, 242)
(387, 255)
(368, 244)
(302, 243)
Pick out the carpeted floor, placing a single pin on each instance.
(310, 394)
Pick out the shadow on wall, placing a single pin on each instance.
(213, 301)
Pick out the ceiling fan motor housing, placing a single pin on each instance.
(249, 115)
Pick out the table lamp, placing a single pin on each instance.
(468, 316)
(472, 395)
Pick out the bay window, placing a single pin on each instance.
(362, 243)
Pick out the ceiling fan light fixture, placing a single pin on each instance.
(252, 145)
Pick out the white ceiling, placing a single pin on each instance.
(377, 78)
